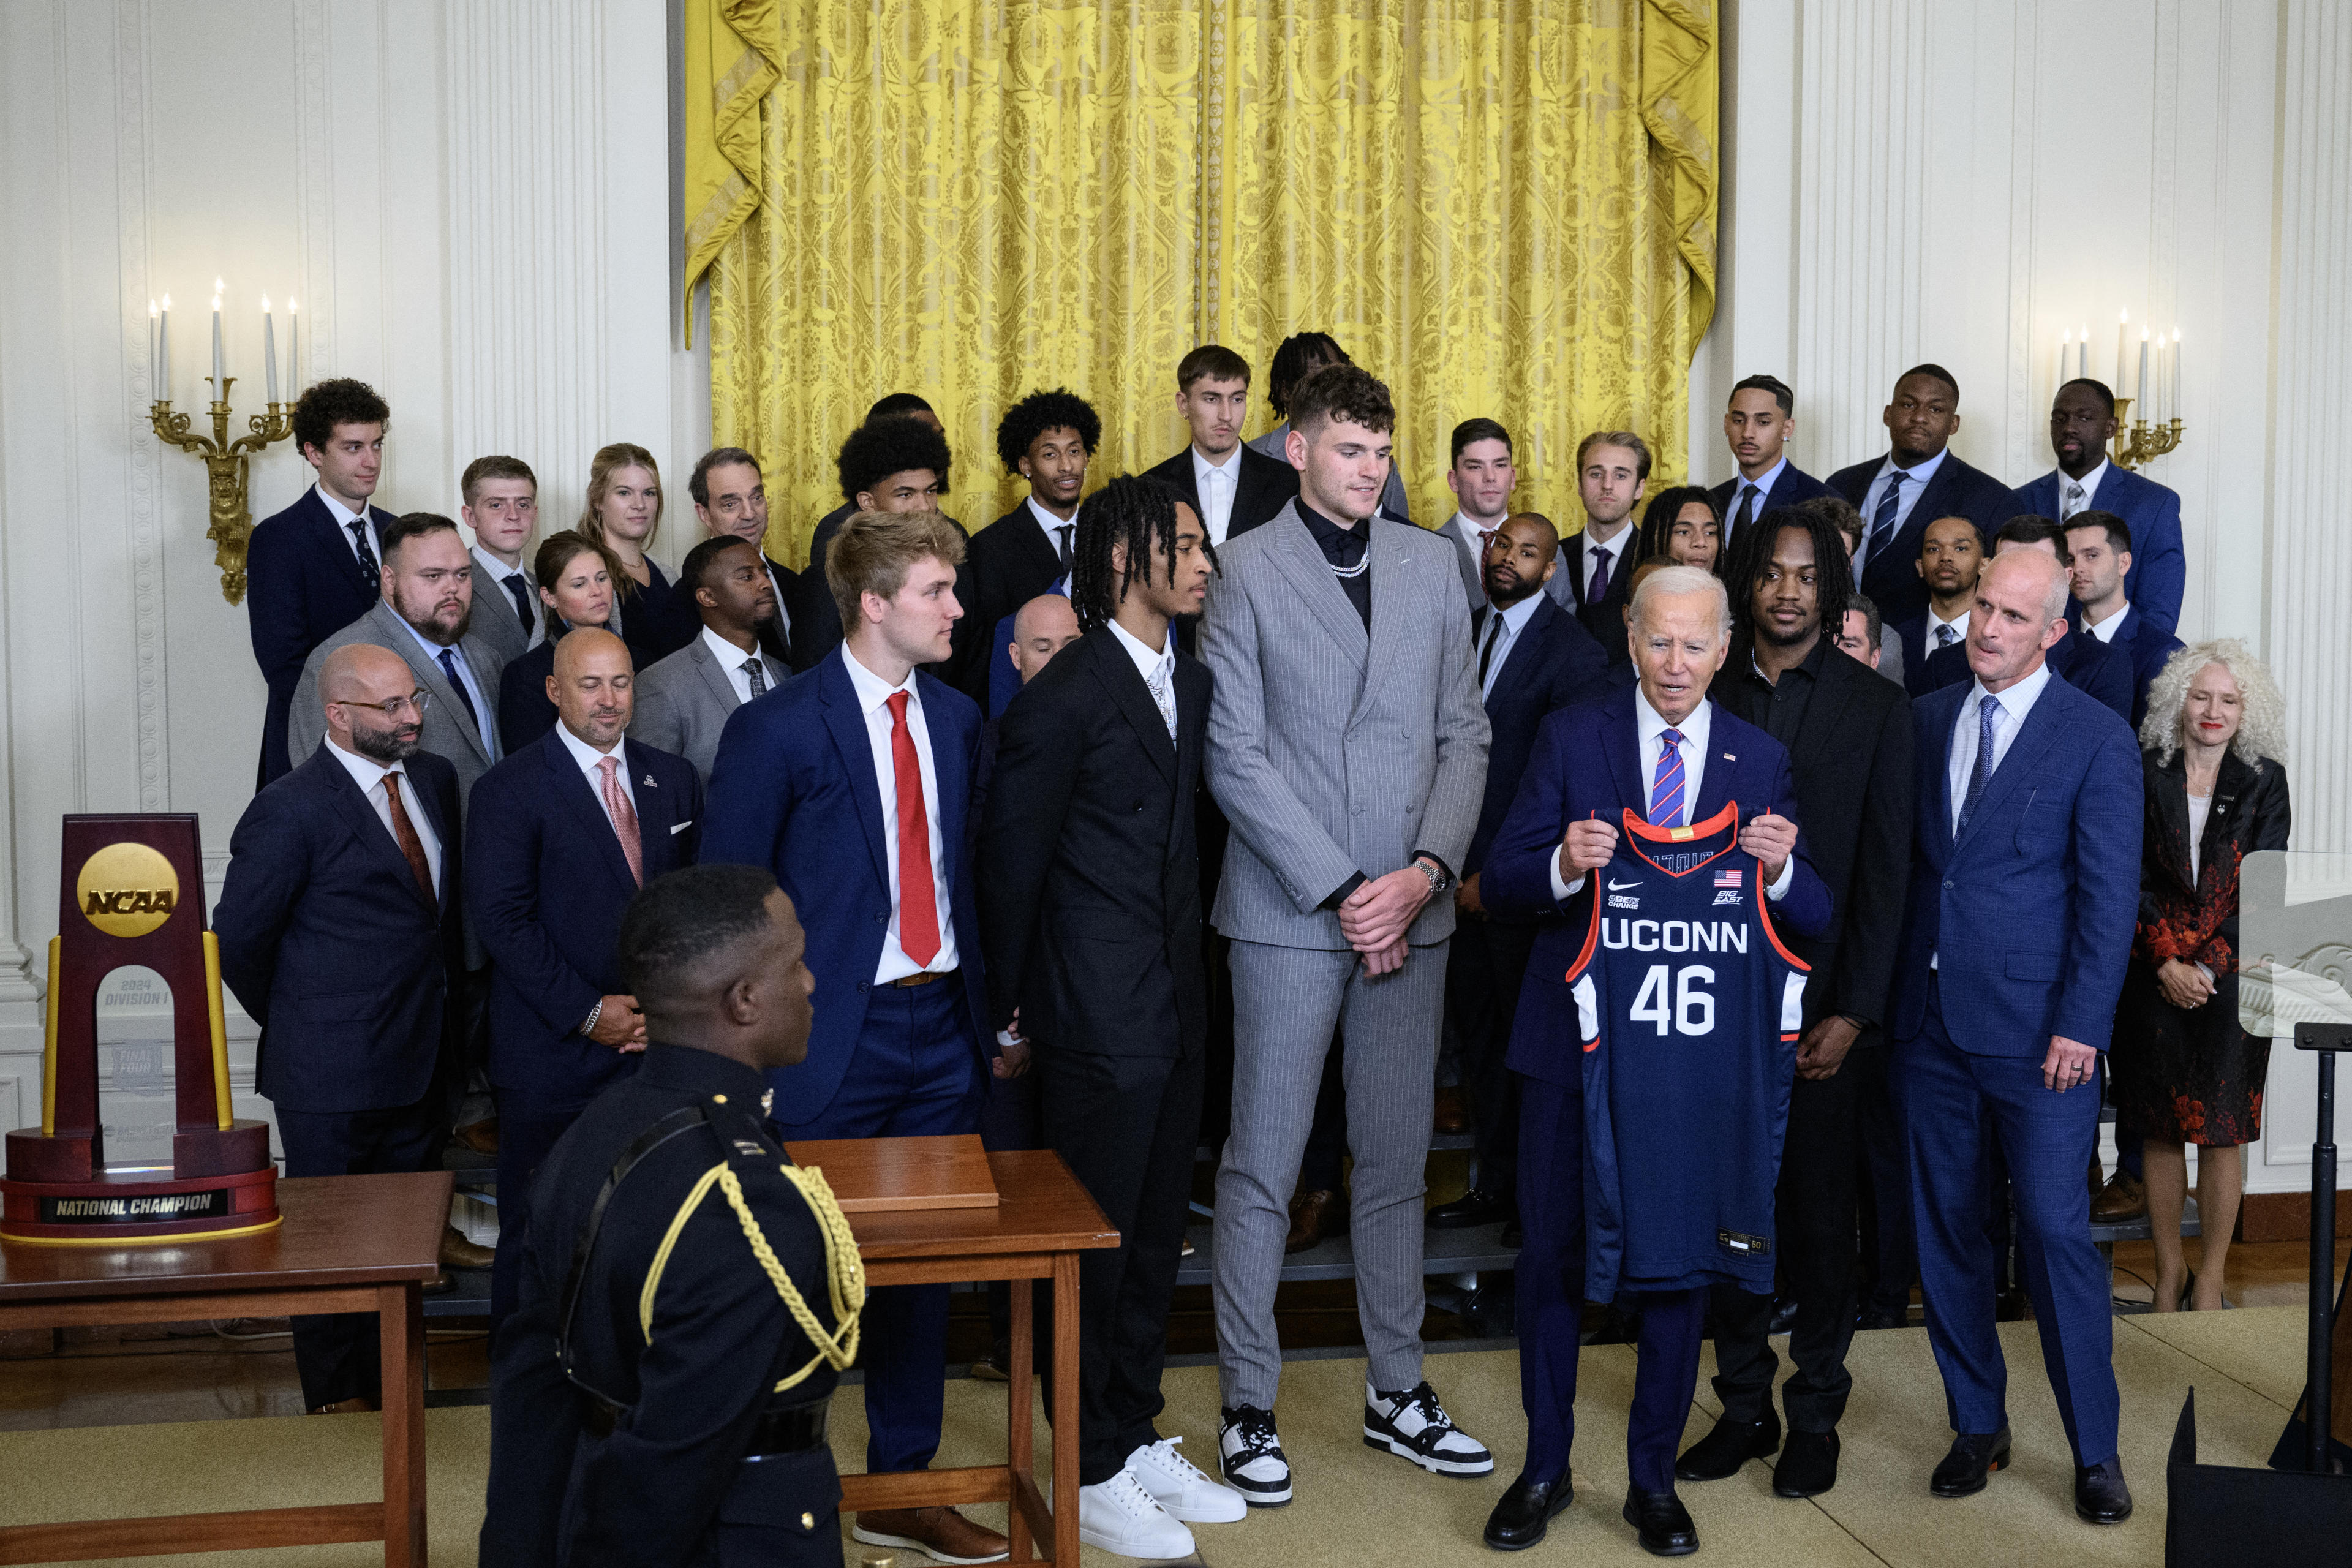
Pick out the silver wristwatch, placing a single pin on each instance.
(1438, 880)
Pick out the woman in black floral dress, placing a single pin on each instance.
(2184, 1072)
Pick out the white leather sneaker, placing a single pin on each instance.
(1250, 1455)
(1411, 1424)
(1181, 1488)
(1119, 1516)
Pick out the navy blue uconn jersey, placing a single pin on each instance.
(1688, 1005)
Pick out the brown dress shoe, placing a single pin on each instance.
(2122, 1200)
(355, 1405)
(1313, 1216)
(481, 1137)
(939, 1533)
(456, 1252)
(1452, 1117)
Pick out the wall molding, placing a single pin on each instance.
(133, 172)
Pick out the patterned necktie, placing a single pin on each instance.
(919, 904)
(403, 833)
(1666, 785)
(1164, 695)
(624, 818)
(1988, 715)
(1599, 590)
(449, 667)
(2072, 503)
(759, 674)
(1947, 635)
(1494, 635)
(521, 592)
(368, 567)
(1747, 513)
(1883, 522)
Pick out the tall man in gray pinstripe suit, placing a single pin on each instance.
(1348, 746)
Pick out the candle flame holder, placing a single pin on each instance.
(227, 466)
(2139, 443)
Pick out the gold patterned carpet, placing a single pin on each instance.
(1356, 1507)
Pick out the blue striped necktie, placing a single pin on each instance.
(1988, 716)
(1667, 786)
(1882, 523)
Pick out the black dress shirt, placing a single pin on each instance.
(1777, 708)
(1344, 549)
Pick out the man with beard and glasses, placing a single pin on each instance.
(686, 699)
(338, 933)
(559, 837)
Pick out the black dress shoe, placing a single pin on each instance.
(1474, 1207)
(1879, 1318)
(1784, 1315)
(2100, 1494)
(1731, 1444)
(1519, 1520)
(1663, 1524)
(1974, 1455)
(1808, 1465)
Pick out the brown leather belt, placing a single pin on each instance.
(923, 978)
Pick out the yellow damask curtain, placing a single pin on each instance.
(1505, 209)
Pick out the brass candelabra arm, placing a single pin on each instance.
(227, 473)
(275, 426)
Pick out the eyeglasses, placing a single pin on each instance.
(417, 701)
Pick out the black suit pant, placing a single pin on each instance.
(1814, 1221)
(1483, 978)
(1128, 1127)
(337, 1355)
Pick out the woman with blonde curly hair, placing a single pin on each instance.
(2212, 753)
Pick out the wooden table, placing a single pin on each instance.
(1043, 1220)
(350, 1243)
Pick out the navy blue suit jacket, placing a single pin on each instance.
(1553, 664)
(2029, 911)
(2145, 646)
(1794, 485)
(2081, 661)
(1892, 576)
(1586, 763)
(327, 940)
(2160, 568)
(793, 789)
(545, 886)
(302, 586)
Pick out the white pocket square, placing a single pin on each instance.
(681, 826)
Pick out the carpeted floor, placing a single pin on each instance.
(1354, 1506)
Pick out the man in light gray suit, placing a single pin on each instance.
(428, 593)
(1348, 746)
(685, 701)
(502, 506)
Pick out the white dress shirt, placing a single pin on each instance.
(1050, 523)
(344, 517)
(592, 764)
(1740, 486)
(485, 714)
(874, 702)
(491, 575)
(2090, 483)
(1960, 625)
(1158, 669)
(1514, 621)
(1216, 485)
(370, 775)
(2015, 704)
(1588, 547)
(1912, 489)
(2105, 630)
(733, 659)
(1650, 744)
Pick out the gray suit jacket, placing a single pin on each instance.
(494, 621)
(685, 700)
(447, 733)
(1333, 752)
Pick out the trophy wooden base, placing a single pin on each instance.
(126, 1208)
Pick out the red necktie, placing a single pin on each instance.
(919, 910)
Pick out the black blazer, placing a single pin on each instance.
(525, 714)
(545, 885)
(1554, 664)
(1891, 578)
(657, 618)
(816, 619)
(1794, 485)
(302, 586)
(1604, 618)
(2196, 919)
(1088, 870)
(329, 943)
(1853, 760)
(1261, 489)
(1008, 563)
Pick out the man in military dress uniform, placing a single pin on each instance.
(688, 1296)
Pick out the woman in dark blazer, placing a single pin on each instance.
(2184, 1071)
(575, 583)
(623, 516)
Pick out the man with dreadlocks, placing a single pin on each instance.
(1088, 833)
(1048, 438)
(1847, 730)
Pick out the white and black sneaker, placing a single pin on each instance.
(1250, 1455)
(1411, 1424)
